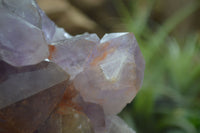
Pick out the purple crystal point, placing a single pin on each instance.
(24, 32)
(113, 74)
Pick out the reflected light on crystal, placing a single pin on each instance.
(117, 61)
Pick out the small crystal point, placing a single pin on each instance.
(60, 34)
(47, 26)
(71, 54)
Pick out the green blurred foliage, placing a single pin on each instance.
(169, 101)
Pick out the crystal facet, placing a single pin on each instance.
(117, 125)
(71, 54)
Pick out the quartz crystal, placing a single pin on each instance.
(52, 82)
(113, 74)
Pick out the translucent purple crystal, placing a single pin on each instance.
(24, 32)
(113, 74)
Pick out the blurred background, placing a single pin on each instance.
(168, 33)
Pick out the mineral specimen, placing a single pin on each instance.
(36, 93)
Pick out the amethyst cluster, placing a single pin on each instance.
(52, 82)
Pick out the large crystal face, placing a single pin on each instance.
(18, 83)
(26, 115)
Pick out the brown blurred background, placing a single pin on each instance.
(101, 16)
